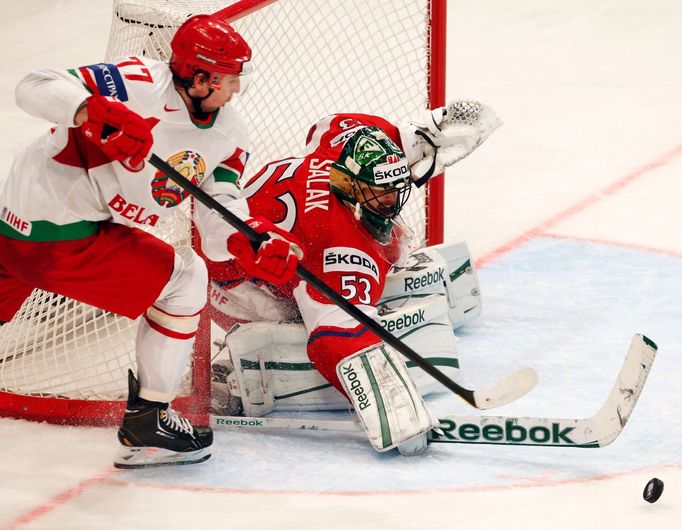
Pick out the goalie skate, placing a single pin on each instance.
(153, 434)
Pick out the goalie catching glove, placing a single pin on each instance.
(446, 135)
(273, 260)
(122, 134)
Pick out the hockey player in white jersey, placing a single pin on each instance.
(74, 200)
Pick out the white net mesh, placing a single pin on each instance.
(50, 348)
(311, 58)
(56, 346)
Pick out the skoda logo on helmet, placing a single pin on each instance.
(391, 171)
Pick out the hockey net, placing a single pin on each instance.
(65, 362)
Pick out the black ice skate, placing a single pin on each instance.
(153, 434)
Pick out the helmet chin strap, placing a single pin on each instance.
(198, 112)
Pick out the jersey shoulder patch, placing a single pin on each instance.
(103, 79)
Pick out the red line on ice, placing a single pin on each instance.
(596, 241)
(60, 499)
(523, 482)
(542, 228)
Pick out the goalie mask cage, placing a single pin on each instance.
(62, 361)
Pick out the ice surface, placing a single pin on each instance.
(573, 210)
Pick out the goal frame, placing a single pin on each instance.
(54, 409)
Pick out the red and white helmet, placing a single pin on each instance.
(208, 44)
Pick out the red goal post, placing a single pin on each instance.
(64, 362)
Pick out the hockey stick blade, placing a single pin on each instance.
(507, 390)
(597, 431)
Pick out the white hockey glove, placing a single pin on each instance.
(446, 135)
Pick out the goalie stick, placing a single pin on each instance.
(509, 389)
(596, 431)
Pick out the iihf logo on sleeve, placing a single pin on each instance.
(15, 222)
(190, 165)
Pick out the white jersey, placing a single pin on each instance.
(61, 185)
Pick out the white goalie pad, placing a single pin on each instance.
(385, 398)
(267, 367)
(441, 269)
(266, 364)
(250, 302)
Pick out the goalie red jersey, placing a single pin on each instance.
(296, 195)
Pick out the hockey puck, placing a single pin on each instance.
(653, 490)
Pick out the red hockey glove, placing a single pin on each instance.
(274, 260)
(122, 134)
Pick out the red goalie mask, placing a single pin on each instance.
(210, 45)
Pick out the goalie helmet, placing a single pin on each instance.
(207, 44)
(373, 176)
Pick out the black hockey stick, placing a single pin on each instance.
(505, 391)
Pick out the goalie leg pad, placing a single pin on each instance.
(384, 397)
(462, 285)
(423, 324)
(290, 382)
(269, 369)
(441, 269)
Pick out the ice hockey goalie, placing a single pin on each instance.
(295, 350)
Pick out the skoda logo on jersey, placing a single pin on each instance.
(190, 165)
(346, 259)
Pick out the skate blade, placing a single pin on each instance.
(142, 457)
